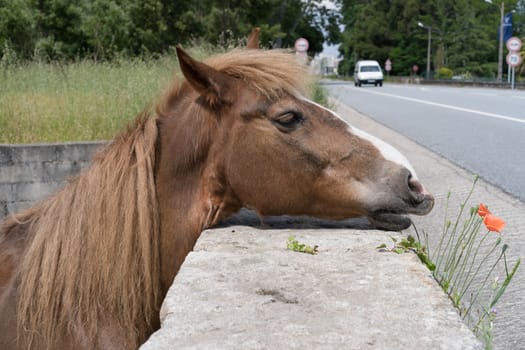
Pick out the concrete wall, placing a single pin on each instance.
(241, 288)
(29, 173)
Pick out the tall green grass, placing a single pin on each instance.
(85, 100)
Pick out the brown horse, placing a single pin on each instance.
(89, 267)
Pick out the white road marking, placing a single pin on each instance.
(442, 105)
(483, 94)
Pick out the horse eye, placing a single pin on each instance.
(288, 120)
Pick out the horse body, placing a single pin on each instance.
(89, 267)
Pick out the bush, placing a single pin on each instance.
(444, 73)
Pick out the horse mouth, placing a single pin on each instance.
(397, 220)
(390, 221)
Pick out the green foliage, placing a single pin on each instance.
(17, 24)
(104, 29)
(107, 28)
(295, 246)
(464, 34)
(409, 244)
(320, 95)
(78, 101)
(444, 73)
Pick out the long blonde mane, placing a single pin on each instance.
(93, 251)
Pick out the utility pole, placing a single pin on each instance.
(499, 77)
(500, 50)
(429, 46)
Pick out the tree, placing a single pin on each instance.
(464, 33)
(67, 29)
(17, 23)
(58, 27)
(148, 25)
(106, 27)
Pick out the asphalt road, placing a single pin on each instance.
(481, 130)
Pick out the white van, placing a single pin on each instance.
(368, 72)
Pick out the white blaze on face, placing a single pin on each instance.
(388, 151)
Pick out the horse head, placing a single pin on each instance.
(277, 152)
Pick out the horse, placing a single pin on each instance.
(88, 267)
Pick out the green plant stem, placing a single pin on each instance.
(446, 226)
(462, 260)
(454, 258)
(467, 286)
(473, 301)
(452, 235)
(472, 262)
(505, 283)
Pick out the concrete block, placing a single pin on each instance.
(6, 192)
(77, 151)
(5, 155)
(242, 289)
(21, 172)
(40, 172)
(3, 209)
(34, 153)
(34, 191)
(59, 171)
(14, 207)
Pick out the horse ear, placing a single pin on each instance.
(207, 81)
(253, 39)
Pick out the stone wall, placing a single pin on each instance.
(29, 173)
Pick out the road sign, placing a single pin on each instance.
(514, 44)
(415, 68)
(301, 45)
(388, 65)
(514, 59)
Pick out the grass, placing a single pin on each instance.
(80, 101)
(84, 100)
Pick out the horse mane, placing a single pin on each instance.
(271, 73)
(92, 256)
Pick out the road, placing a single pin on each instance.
(482, 130)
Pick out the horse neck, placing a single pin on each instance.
(187, 185)
(180, 224)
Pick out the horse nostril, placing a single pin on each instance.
(415, 186)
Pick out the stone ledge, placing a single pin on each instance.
(242, 289)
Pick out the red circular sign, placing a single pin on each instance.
(415, 67)
(301, 45)
(514, 59)
(514, 44)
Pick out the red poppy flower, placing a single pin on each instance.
(483, 210)
(493, 223)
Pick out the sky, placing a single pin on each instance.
(329, 50)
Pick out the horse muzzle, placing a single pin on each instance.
(391, 214)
